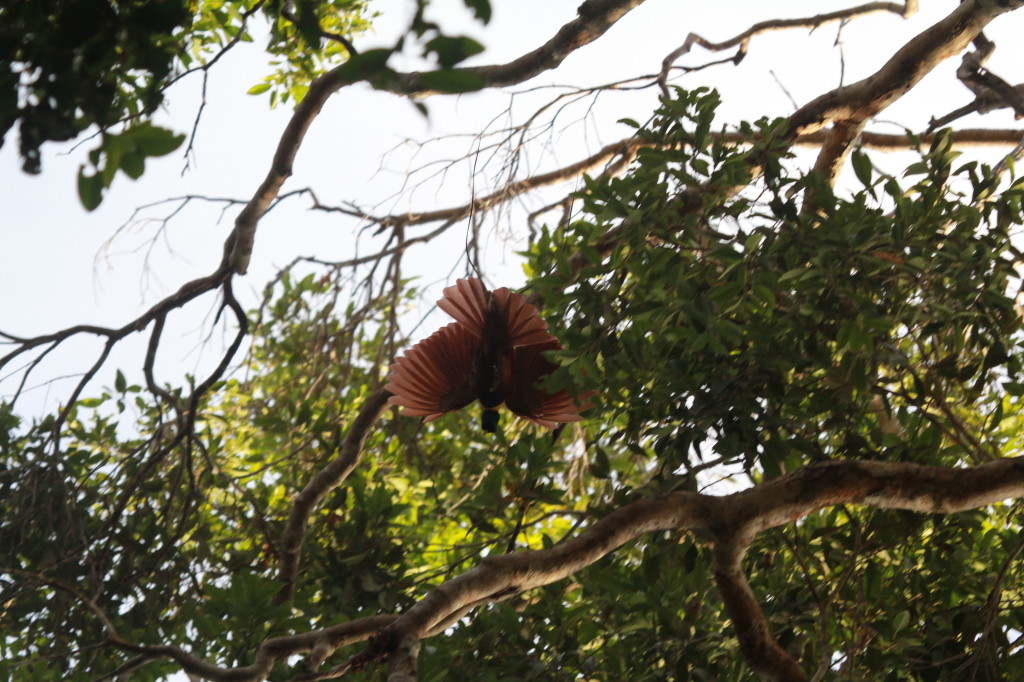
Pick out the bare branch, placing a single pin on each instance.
(908, 9)
(991, 91)
(623, 149)
(850, 108)
(75, 593)
(866, 98)
(839, 142)
(594, 18)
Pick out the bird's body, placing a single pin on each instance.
(493, 352)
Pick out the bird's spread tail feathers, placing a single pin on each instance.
(494, 352)
(501, 312)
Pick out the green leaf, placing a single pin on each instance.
(901, 621)
(133, 165)
(364, 65)
(151, 140)
(792, 274)
(481, 8)
(452, 81)
(90, 190)
(862, 167)
(451, 50)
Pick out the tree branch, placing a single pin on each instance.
(402, 667)
(320, 642)
(850, 104)
(908, 9)
(336, 471)
(905, 69)
(757, 644)
(733, 520)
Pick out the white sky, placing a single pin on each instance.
(54, 273)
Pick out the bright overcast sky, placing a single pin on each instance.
(55, 270)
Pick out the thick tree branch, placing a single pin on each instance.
(758, 645)
(402, 667)
(733, 520)
(594, 18)
(849, 108)
(867, 98)
(838, 144)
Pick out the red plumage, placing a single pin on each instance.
(493, 352)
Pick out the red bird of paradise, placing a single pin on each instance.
(493, 352)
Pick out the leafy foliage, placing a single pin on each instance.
(66, 66)
(875, 326)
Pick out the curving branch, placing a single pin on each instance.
(623, 150)
(156, 315)
(594, 18)
(733, 520)
(991, 91)
(326, 480)
(851, 107)
(758, 646)
(742, 40)
(402, 667)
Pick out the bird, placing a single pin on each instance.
(493, 353)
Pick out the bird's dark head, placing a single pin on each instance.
(489, 420)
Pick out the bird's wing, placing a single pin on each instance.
(524, 324)
(468, 302)
(526, 399)
(437, 375)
